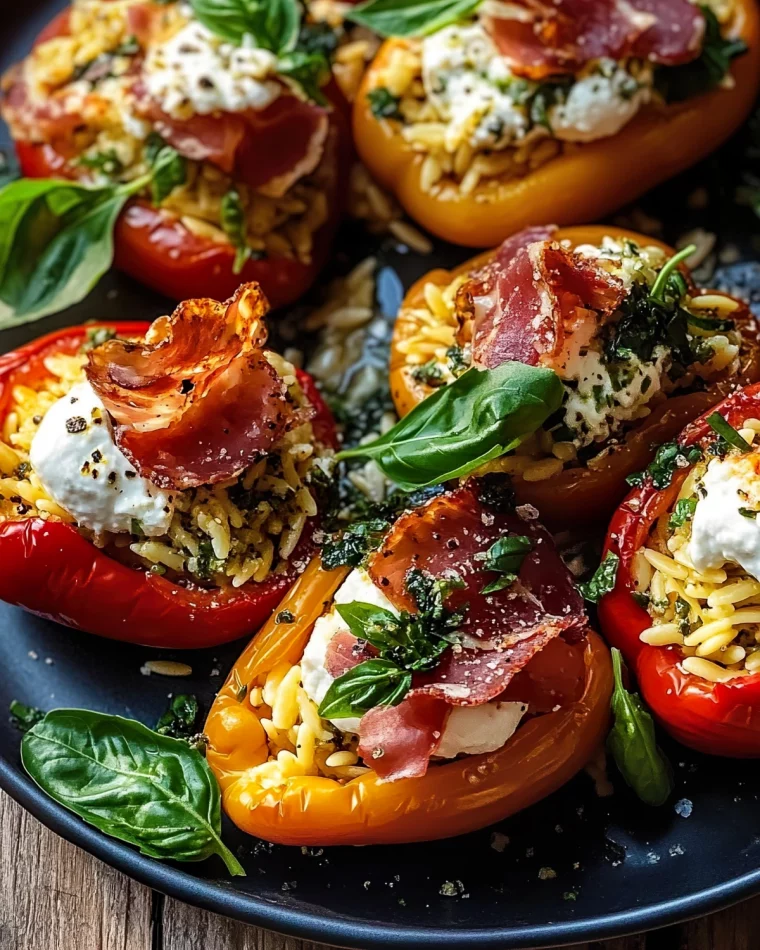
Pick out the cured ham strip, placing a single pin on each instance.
(197, 401)
(562, 36)
(267, 149)
(534, 302)
(398, 741)
(345, 651)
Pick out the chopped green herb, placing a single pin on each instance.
(168, 166)
(456, 360)
(505, 558)
(206, 563)
(129, 47)
(383, 104)
(285, 616)
(310, 70)
(748, 513)
(96, 336)
(669, 268)
(354, 544)
(683, 512)
(430, 373)
(317, 38)
(158, 569)
(23, 716)
(235, 227)
(136, 528)
(108, 163)
(641, 598)
(603, 580)
(179, 719)
(726, 431)
(670, 456)
(711, 323)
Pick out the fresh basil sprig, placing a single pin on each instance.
(406, 644)
(273, 24)
(149, 790)
(411, 17)
(479, 417)
(56, 240)
(633, 743)
(683, 512)
(603, 580)
(505, 557)
(727, 432)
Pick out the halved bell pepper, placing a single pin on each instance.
(51, 570)
(156, 249)
(585, 182)
(718, 718)
(583, 495)
(451, 799)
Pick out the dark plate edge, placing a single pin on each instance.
(213, 897)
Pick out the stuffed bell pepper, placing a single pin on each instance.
(207, 143)
(446, 684)
(158, 483)
(512, 114)
(639, 351)
(684, 551)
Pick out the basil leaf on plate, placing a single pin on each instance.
(371, 683)
(168, 166)
(149, 790)
(411, 17)
(273, 24)
(603, 580)
(479, 417)
(633, 743)
(309, 70)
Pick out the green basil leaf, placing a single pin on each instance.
(384, 105)
(273, 24)
(23, 716)
(506, 580)
(235, 226)
(374, 624)
(309, 70)
(371, 683)
(411, 17)
(56, 242)
(479, 417)
(352, 546)
(658, 288)
(149, 790)
(710, 323)
(169, 168)
(633, 743)
(507, 554)
(683, 512)
(727, 432)
(603, 580)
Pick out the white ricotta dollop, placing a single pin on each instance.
(197, 72)
(599, 105)
(469, 729)
(468, 82)
(80, 467)
(719, 533)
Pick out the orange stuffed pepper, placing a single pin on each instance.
(639, 350)
(442, 688)
(548, 112)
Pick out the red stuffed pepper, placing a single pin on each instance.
(685, 607)
(230, 154)
(159, 489)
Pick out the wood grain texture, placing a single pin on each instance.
(55, 897)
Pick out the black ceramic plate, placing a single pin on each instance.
(575, 867)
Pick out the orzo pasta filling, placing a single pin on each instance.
(231, 533)
(698, 573)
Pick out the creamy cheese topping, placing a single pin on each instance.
(719, 532)
(469, 729)
(196, 72)
(80, 467)
(473, 90)
(600, 104)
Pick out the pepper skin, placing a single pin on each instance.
(587, 181)
(157, 250)
(452, 799)
(718, 718)
(582, 495)
(53, 571)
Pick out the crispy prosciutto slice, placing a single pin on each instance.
(502, 631)
(542, 38)
(267, 149)
(197, 401)
(535, 302)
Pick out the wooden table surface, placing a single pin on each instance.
(55, 897)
